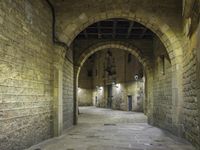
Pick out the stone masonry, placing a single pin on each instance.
(26, 98)
(40, 59)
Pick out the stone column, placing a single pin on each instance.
(198, 80)
(59, 57)
(58, 100)
(76, 72)
(149, 96)
(177, 97)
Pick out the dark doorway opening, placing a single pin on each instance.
(130, 102)
(109, 104)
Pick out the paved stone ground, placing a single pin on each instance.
(105, 129)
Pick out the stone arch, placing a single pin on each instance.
(107, 45)
(156, 25)
(165, 33)
(116, 45)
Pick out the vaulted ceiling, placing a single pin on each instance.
(116, 29)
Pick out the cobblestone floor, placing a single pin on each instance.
(105, 129)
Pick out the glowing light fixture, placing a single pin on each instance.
(117, 85)
(136, 77)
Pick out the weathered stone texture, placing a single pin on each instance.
(25, 74)
(28, 98)
(162, 89)
(78, 14)
(94, 89)
(191, 109)
(68, 97)
(85, 97)
(144, 45)
(198, 81)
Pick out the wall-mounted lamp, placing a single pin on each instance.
(136, 77)
(99, 87)
(117, 85)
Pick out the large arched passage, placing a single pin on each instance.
(159, 27)
(167, 37)
(112, 44)
(117, 46)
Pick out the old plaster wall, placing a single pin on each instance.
(85, 97)
(85, 84)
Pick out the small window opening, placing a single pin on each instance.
(89, 73)
(162, 64)
(129, 58)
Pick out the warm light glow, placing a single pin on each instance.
(118, 85)
(136, 77)
(79, 89)
(113, 83)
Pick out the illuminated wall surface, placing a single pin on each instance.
(40, 62)
(122, 71)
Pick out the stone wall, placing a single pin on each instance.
(198, 81)
(162, 88)
(191, 108)
(144, 45)
(26, 97)
(163, 18)
(85, 97)
(85, 84)
(74, 16)
(26, 64)
(68, 95)
(94, 89)
(121, 91)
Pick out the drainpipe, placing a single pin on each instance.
(54, 38)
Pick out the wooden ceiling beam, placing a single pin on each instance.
(114, 29)
(143, 33)
(130, 29)
(99, 30)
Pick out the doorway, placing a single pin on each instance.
(130, 102)
(109, 98)
(96, 101)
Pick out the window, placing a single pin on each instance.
(89, 73)
(162, 64)
(129, 58)
(96, 72)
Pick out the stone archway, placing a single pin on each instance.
(118, 46)
(111, 44)
(159, 26)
